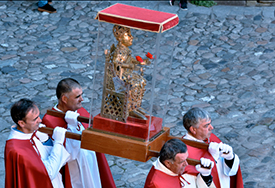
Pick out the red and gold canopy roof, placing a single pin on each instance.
(138, 18)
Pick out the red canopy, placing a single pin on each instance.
(138, 18)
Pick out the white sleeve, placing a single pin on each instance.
(231, 171)
(73, 146)
(196, 182)
(57, 158)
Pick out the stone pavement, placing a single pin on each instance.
(224, 62)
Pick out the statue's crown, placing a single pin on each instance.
(118, 31)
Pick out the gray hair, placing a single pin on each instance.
(193, 117)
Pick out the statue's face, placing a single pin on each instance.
(127, 39)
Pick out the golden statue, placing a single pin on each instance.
(124, 87)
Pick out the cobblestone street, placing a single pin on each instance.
(224, 61)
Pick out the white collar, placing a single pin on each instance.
(159, 166)
(16, 134)
(190, 137)
(55, 107)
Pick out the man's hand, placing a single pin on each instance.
(226, 151)
(205, 163)
(214, 150)
(59, 135)
(71, 118)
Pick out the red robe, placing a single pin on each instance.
(196, 153)
(23, 166)
(106, 177)
(159, 179)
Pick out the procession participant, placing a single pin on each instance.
(45, 6)
(168, 170)
(226, 171)
(182, 4)
(88, 168)
(31, 158)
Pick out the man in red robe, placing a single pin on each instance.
(31, 158)
(87, 165)
(168, 170)
(226, 171)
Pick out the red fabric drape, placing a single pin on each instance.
(23, 167)
(158, 179)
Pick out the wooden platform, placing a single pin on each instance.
(122, 145)
(129, 148)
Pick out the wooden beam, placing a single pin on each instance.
(68, 134)
(196, 144)
(118, 146)
(62, 115)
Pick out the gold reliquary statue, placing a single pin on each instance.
(124, 85)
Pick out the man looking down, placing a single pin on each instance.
(168, 170)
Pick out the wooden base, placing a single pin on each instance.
(137, 150)
(123, 145)
(133, 127)
(128, 148)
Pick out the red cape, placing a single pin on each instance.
(106, 177)
(158, 179)
(196, 153)
(23, 166)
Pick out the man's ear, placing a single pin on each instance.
(193, 130)
(64, 99)
(21, 123)
(167, 163)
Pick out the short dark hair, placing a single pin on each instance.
(171, 148)
(193, 117)
(20, 109)
(65, 86)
